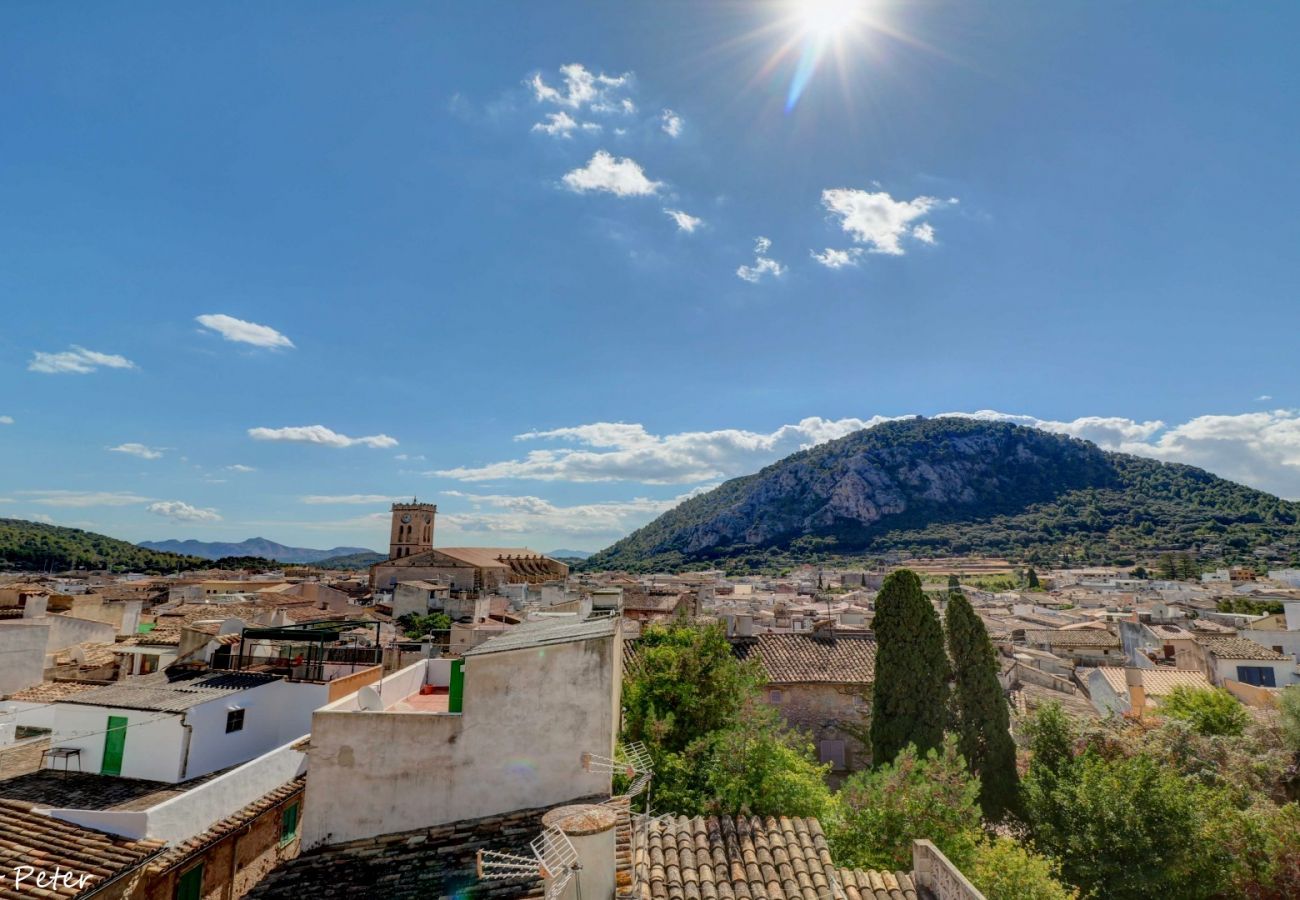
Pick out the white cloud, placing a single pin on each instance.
(179, 511)
(319, 434)
(558, 124)
(583, 89)
(837, 259)
(6, 420)
(44, 518)
(671, 123)
(622, 177)
(876, 219)
(1262, 398)
(409, 457)
(241, 468)
(498, 514)
(76, 361)
(1257, 449)
(763, 265)
(82, 499)
(355, 499)
(140, 450)
(242, 332)
(685, 221)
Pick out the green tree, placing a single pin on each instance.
(954, 583)
(684, 684)
(1005, 869)
(1210, 711)
(761, 767)
(982, 716)
(1289, 707)
(1168, 568)
(1127, 828)
(884, 810)
(416, 626)
(909, 696)
(1031, 579)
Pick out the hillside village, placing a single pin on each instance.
(231, 734)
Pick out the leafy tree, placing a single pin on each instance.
(1031, 579)
(1005, 869)
(1140, 573)
(908, 702)
(1168, 567)
(760, 767)
(954, 583)
(914, 797)
(416, 626)
(982, 715)
(1210, 711)
(1128, 828)
(684, 684)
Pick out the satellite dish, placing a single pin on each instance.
(79, 656)
(369, 700)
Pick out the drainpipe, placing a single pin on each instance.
(185, 744)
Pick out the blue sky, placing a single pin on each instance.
(452, 250)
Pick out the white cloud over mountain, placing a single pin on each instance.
(621, 176)
(319, 434)
(180, 511)
(76, 361)
(500, 514)
(1258, 449)
(242, 332)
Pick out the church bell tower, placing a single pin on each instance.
(412, 529)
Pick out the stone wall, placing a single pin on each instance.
(822, 710)
(22, 757)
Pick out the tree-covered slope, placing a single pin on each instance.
(36, 546)
(958, 486)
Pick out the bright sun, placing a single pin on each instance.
(827, 18)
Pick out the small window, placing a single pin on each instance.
(832, 752)
(774, 696)
(190, 885)
(289, 824)
(234, 720)
(1260, 676)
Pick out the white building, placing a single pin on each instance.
(444, 743)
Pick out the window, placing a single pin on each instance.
(234, 720)
(1260, 676)
(832, 752)
(288, 824)
(774, 696)
(190, 886)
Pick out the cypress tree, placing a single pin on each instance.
(909, 696)
(981, 713)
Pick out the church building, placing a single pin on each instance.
(412, 557)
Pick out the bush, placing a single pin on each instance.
(1004, 869)
(1210, 711)
(883, 811)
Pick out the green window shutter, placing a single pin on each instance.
(114, 746)
(288, 824)
(190, 886)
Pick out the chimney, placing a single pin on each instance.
(744, 625)
(591, 830)
(1137, 694)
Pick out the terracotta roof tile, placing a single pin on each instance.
(1239, 648)
(837, 657)
(1082, 637)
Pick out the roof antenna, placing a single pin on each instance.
(632, 761)
(554, 859)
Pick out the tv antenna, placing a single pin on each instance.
(554, 859)
(631, 761)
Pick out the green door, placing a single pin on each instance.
(190, 887)
(114, 745)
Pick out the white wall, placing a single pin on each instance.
(23, 645)
(65, 631)
(154, 740)
(1283, 670)
(274, 713)
(528, 716)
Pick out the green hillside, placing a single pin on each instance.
(34, 546)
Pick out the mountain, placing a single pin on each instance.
(363, 560)
(952, 486)
(252, 547)
(35, 546)
(568, 554)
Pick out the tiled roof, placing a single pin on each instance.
(837, 657)
(1157, 682)
(436, 862)
(1081, 637)
(161, 694)
(31, 839)
(1239, 648)
(741, 858)
(54, 788)
(179, 852)
(49, 691)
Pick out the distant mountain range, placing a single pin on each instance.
(955, 486)
(257, 546)
(568, 554)
(37, 547)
